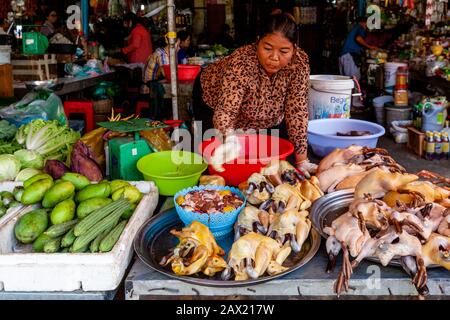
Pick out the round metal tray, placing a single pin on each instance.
(153, 241)
(326, 209)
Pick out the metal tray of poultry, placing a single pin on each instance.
(153, 241)
(326, 209)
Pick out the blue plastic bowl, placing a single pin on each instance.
(323, 139)
(220, 224)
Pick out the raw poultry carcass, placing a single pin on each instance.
(364, 156)
(253, 255)
(259, 189)
(284, 198)
(436, 178)
(374, 213)
(281, 171)
(251, 219)
(379, 182)
(444, 226)
(330, 178)
(310, 189)
(437, 251)
(430, 191)
(291, 227)
(345, 168)
(196, 252)
(344, 232)
(339, 156)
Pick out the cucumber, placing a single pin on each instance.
(52, 245)
(68, 239)
(93, 219)
(110, 240)
(58, 230)
(96, 243)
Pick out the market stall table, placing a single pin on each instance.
(70, 85)
(370, 281)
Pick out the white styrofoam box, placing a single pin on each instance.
(72, 271)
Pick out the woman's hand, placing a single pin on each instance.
(226, 152)
(306, 167)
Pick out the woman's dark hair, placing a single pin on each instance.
(183, 35)
(130, 16)
(283, 23)
(49, 11)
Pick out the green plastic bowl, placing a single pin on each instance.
(172, 171)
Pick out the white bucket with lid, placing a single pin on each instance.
(390, 73)
(5, 55)
(330, 96)
(378, 105)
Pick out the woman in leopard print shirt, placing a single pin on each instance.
(259, 86)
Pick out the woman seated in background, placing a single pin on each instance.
(154, 68)
(49, 26)
(185, 43)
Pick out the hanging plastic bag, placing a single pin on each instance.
(39, 104)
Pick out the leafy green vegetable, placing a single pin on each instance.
(30, 159)
(48, 138)
(9, 147)
(7, 130)
(27, 173)
(9, 167)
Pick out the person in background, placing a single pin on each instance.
(139, 46)
(49, 26)
(225, 39)
(3, 25)
(153, 70)
(185, 42)
(350, 57)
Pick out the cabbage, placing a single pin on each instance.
(48, 138)
(9, 167)
(29, 159)
(27, 173)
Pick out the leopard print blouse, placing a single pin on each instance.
(243, 96)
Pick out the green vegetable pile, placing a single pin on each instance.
(47, 138)
(77, 216)
(31, 145)
(7, 142)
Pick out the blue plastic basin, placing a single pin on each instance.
(323, 139)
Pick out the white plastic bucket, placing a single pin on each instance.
(5, 55)
(390, 73)
(330, 96)
(378, 105)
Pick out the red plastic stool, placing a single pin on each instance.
(141, 105)
(84, 107)
(118, 110)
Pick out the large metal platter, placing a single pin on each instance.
(326, 209)
(153, 241)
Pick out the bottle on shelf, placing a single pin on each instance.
(437, 145)
(445, 146)
(419, 116)
(429, 146)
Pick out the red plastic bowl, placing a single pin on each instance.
(256, 152)
(186, 72)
